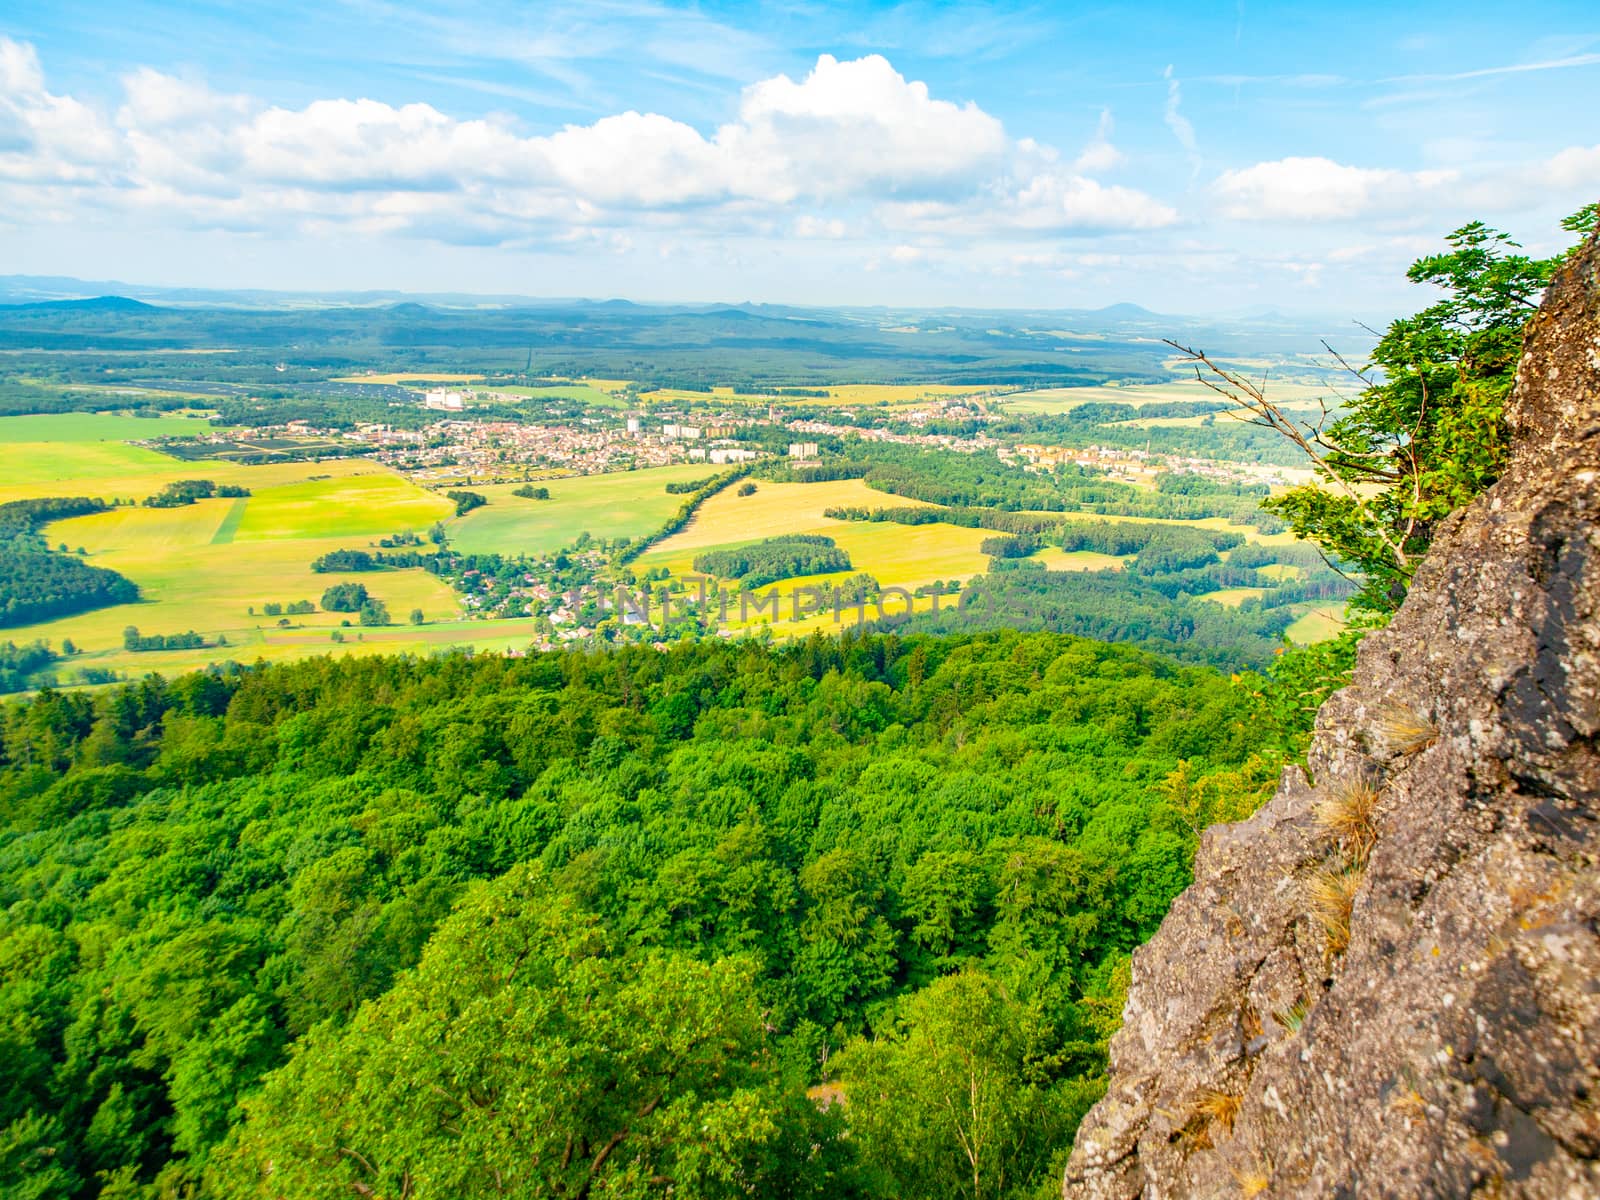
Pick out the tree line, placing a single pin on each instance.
(182, 492)
(772, 559)
(40, 584)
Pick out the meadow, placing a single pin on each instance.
(45, 452)
(78, 428)
(622, 504)
(1316, 623)
(204, 566)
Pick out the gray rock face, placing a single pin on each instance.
(1453, 1048)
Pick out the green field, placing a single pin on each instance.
(353, 506)
(82, 454)
(76, 428)
(205, 566)
(44, 452)
(567, 391)
(622, 504)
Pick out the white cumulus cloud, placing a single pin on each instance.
(46, 138)
(1575, 167)
(1313, 189)
(849, 140)
(1320, 189)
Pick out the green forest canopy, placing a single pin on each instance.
(530, 923)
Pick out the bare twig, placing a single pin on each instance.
(1253, 401)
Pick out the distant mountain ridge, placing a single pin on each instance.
(22, 290)
(670, 344)
(92, 304)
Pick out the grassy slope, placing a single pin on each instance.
(1316, 623)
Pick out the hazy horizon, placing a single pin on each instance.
(15, 292)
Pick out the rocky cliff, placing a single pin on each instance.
(1387, 982)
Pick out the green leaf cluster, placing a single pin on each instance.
(1427, 433)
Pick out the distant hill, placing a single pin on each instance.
(1126, 312)
(107, 304)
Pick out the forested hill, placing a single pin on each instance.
(698, 345)
(596, 923)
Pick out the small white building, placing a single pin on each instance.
(438, 398)
(802, 449)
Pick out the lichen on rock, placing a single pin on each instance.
(1451, 1046)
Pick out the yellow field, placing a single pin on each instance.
(895, 554)
(399, 377)
(785, 625)
(898, 556)
(903, 556)
(1317, 624)
(728, 518)
(1233, 597)
(1056, 559)
(1055, 400)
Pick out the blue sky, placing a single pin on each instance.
(1187, 157)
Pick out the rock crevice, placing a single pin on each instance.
(1419, 1016)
